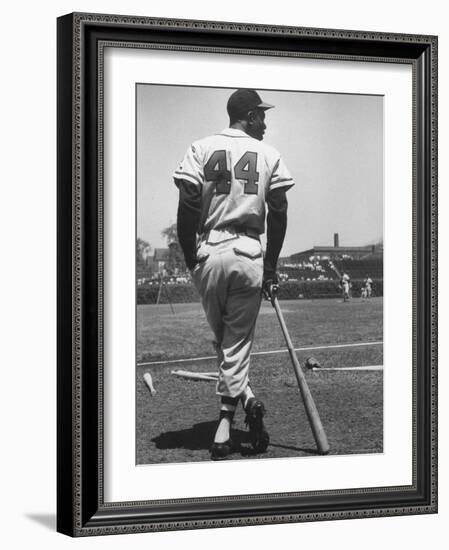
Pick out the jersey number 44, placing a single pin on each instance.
(216, 170)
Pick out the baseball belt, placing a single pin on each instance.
(215, 236)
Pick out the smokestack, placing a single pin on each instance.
(336, 240)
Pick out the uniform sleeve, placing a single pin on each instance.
(191, 168)
(189, 212)
(276, 228)
(280, 177)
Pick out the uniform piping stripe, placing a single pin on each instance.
(281, 180)
(233, 136)
(281, 185)
(256, 353)
(187, 175)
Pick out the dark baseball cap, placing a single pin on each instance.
(244, 100)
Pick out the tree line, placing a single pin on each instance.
(175, 261)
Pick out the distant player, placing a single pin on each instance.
(225, 182)
(368, 286)
(345, 284)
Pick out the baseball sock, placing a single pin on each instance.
(228, 406)
(246, 395)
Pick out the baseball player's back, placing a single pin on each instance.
(235, 173)
(225, 182)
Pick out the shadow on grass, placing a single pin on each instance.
(200, 437)
(298, 449)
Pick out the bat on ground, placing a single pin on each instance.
(149, 383)
(309, 404)
(196, 375)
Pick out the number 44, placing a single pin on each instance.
(216, 170)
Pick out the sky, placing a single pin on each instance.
(331, 143)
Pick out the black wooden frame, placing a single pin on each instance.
(81, 510)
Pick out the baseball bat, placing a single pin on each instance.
(312, 412)
(149, 382)
(196, 375)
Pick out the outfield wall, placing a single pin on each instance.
(290, 290)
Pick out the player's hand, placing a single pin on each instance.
(191, 263)
(270, 286)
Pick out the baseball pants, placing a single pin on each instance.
(228, 277)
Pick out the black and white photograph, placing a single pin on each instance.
(247, 305)
(259, 273)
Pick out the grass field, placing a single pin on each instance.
(178, 423)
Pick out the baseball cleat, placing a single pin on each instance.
(220, 451)
(255, 411)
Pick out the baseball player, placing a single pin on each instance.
(225, 183)
(368, 285)
(345, 285)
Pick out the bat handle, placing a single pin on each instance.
(273, 290)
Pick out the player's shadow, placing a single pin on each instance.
(198, 437)
(293, 448)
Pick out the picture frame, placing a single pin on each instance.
(81, 507)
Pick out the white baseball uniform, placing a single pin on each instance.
(368, 286)
(345, 281)
(235, 173)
